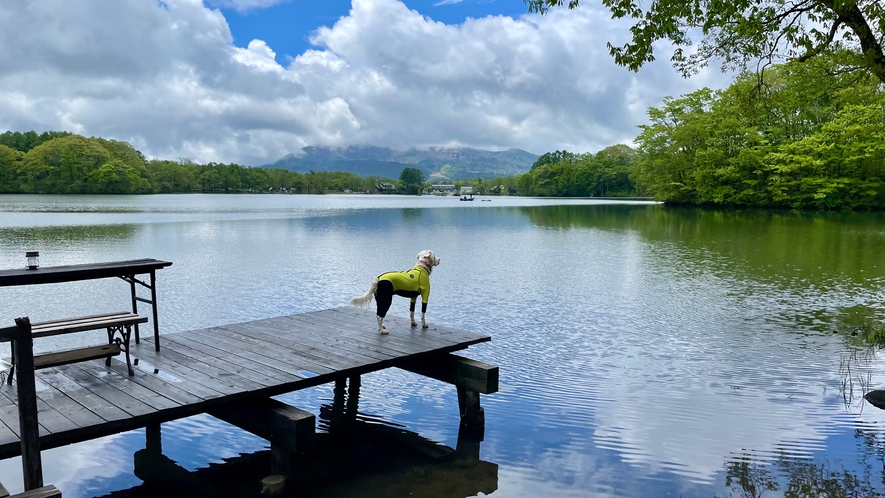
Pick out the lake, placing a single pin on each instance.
(643, 350)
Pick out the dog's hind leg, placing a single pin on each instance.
(383, 300)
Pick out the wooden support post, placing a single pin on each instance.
(467, 447)
(273, 485)
(470, 377)
(29, 428)
(287, 428)
(472, 415)
(339, 395)
(153, 438)
(353, 398)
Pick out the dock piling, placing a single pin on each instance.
(32, 464)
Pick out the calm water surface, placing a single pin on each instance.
(644, 351)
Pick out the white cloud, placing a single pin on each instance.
(167, 78)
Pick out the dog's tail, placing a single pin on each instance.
(363, 301)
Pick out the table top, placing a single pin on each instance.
(71, 273)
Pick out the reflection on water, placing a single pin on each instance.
(353, 456)
(644, 351)
(810, 478)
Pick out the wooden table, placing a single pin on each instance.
(127, 270)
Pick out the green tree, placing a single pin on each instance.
(809, 140)
(170, 176)
(117, 177)
(553, 158)
(743, 31)
(61, 165)
(23, 142)
(411, 180)
(9, 164)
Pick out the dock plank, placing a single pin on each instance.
(84, 396)
(199, 370)
(237, 337)
(311, 336)
(65, 405)
(48, 417)
(248, 346)
(109, 392)
(249, 369)
(298, 346)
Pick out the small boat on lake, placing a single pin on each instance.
(466, 198)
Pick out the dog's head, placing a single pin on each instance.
(427, 259)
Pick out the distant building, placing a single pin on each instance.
(466, 190)
(443, 188)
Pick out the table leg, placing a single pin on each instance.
(154, 304)
(131, 280)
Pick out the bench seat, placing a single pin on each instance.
(84, 323)
(120, 322)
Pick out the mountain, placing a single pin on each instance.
(443, 163)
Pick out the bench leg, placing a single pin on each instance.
(123, 341)
(12, 361)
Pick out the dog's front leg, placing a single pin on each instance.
(381, 328)
(423, 322)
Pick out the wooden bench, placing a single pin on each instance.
(119, 328)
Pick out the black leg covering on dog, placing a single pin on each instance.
(423, 307)
(412, 306)
(383, 297)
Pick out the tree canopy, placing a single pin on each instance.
(411, 180)
(62, 163)
(809, 140)
(741, 32)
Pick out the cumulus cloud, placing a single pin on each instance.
(166, 77)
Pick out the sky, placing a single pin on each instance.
(249, 81)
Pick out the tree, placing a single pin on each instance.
(9, 161)
(411, 179)
(26, 141)
(61, 165)
(117, 177)
(553, 158)
(741, 31)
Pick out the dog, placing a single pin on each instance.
(411, 284)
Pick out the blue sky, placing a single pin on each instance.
(241, 81)
(288, 26)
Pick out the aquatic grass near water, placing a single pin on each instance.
(873, 333)
(854, 374)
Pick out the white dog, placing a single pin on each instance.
(411, 284)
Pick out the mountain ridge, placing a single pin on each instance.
(444, 163)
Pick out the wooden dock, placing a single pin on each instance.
(205, 370)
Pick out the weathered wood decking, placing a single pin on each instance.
(198, 370)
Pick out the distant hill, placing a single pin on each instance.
(443, 163)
